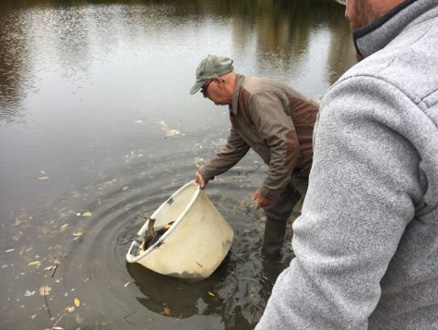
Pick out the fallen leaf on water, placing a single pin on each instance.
(78, 233)
(34, 263)
(211, 294)
(63, 228)
(49, 268)
(86, 214)
(45, 290)
(77, 302)
(43, 178)
(70, 309)
(172, 132)
(29, 293)
(166, 311)
(127, 283)
(17, 236)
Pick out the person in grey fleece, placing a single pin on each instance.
(366, 244)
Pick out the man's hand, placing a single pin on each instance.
(199, 181)
(260, 200)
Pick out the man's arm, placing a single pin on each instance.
(234, 150)
(277, 129)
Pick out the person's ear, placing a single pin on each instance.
(220, 82)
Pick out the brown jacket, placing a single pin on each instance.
(277, 123)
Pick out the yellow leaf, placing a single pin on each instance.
(211, 294)
(34, 263)
(78, 233)
(77, 302)
(167, 311)
(87, 214)
(172, 132)
(63, 228)
(45, 290)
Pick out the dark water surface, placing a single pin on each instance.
(97, 129)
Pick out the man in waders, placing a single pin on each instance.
(277, 123)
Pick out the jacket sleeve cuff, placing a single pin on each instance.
(267, 193)
(205, 174)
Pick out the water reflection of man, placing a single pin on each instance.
(366, 243)
(277, 123)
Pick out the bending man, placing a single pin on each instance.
(277, 123)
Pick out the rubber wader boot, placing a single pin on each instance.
(274, 237)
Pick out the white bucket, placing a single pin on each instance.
(195, 244)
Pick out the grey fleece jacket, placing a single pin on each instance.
(366, 243)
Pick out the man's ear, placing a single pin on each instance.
(220, 82)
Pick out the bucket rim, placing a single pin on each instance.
(129, 257)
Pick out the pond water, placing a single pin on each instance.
(97, 129)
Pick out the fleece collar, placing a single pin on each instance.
(371, 38)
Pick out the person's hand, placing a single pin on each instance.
(199, 181)
(260, 200)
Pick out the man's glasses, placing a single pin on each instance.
(205, 86)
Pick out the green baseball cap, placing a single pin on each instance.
(211, 67)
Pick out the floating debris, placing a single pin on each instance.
(168, 132)
(78, 233)
(84, 214)
(172, 132)
(45, 290)
(34, 263)
(167, 311)
(63, 228)
(29, 293)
